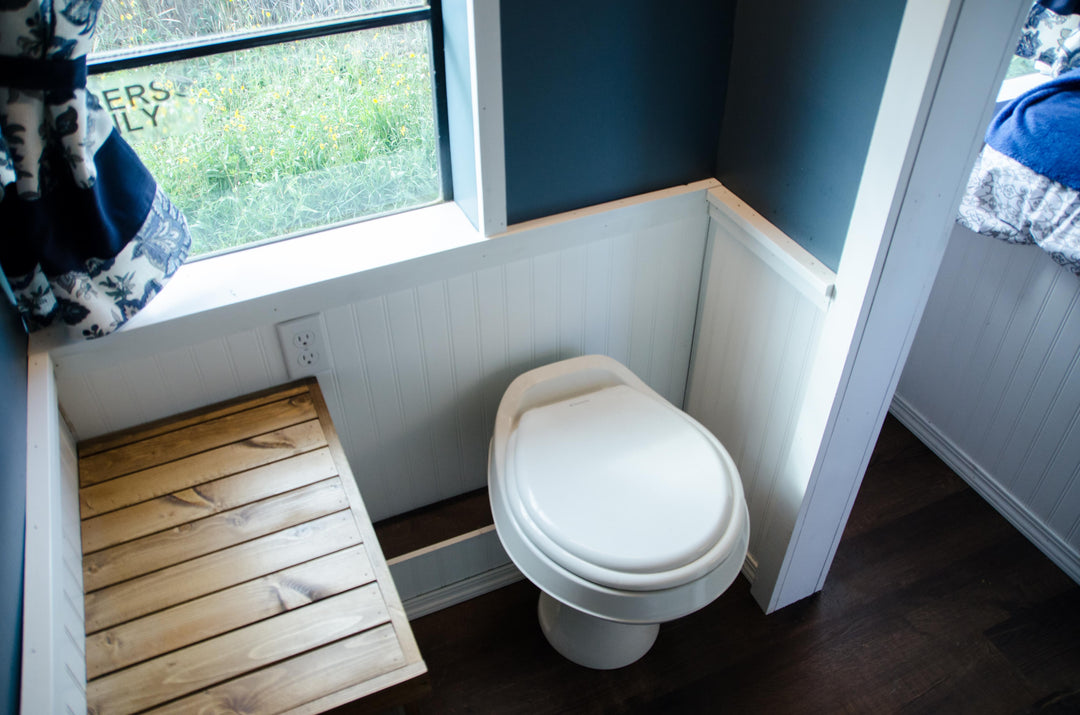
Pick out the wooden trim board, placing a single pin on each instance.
(228, 557)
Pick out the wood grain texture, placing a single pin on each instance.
(197, 538)
(241, 651)
(291, 684)
(197, 577)
(205, 500)
(367, 534)
(197, 437)
(225, 610)
(106, 442)
(236, 559)
(164, 479)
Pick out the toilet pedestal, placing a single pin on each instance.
(584, 454)
(590, 641)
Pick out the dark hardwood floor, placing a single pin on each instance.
(934, 604)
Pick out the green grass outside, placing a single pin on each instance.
(291, 137)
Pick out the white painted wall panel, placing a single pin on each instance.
(419, 369)
(758, 330)
(993, 383)
(54, 644)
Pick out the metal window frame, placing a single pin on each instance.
(113, 61)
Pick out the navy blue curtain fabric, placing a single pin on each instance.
(87, 237)
(1061, 7)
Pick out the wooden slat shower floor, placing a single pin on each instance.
(229, 565)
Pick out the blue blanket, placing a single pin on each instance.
(1041, 129)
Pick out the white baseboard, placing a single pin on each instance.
(452, 571)
(749, 568)
(1029, 524)
(461, 591)
(466, 566)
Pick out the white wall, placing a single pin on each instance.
(761, 314)
(421, 362)
(54, 643)
(992, 384)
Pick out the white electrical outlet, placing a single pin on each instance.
(303, 345)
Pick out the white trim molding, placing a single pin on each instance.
(775, 248)
(485, 58)
(760, 314)
(1029, 524)
(939, 94)
(53, 642)
(452, 571)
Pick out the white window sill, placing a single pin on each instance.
(280, 272)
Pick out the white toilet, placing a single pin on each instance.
(621, 508)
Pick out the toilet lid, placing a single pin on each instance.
(620, 480)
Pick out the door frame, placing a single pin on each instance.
(949, 61)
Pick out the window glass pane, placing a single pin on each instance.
(258, 144)
(127, 24)
(1020, 66)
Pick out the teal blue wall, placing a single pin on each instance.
(12, 500)
(607, 99)
(806, 80)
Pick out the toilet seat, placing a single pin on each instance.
(651, 494)
(618, 595)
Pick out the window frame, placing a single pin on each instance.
(429, 11)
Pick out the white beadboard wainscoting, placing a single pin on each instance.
(422, 353)
(419, 368)
(992, 385)
(761, 312)
(54, 640)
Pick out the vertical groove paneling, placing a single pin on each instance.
(384, 382)
(418, 372)
(1026, 410)
(620, 328)
(519, 302)
(597, 310)
(997, 377)
(357, 427)
(572, 303)
(757, 334)
(1021, 367)
(643, 304)
(465, 342)
(442, 390)
(490, 292)
(210, 356)
(1004, 342)
(71, 638)
(53, 671)
(407, 359)
(1049, 404)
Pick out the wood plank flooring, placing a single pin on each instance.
(230, 566)
(934, 604)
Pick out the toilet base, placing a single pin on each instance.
(590, 641)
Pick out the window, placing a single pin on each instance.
(264, 119)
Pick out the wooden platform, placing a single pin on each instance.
(229, 565)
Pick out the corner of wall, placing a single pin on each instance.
(13, 355)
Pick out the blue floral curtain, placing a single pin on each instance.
(1051, 36)
(87, 237)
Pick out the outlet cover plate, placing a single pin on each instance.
(304, 346)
